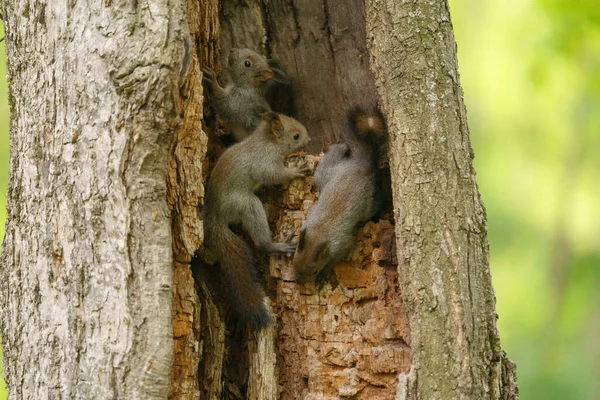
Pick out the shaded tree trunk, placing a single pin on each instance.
(112, 143)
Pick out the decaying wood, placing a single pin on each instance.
(322, 47)
(185, 178)
(349, 339)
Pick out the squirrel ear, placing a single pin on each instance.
(274, 122)
(302, 239)
(322, 251)
(280, 76)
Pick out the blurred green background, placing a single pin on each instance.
(530, 70)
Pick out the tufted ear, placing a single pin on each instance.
(232, 55)
(278, 75)
(276, 127)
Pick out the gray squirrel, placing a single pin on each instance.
(230, 201)
(241, 103)
(349, 195)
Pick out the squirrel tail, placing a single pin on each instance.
(241, 280)
(367, 130)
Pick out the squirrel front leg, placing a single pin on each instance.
(218, 95)
(210, 79)
(285, 174)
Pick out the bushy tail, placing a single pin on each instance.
(368, 140)
(367, 131)
(240, 277)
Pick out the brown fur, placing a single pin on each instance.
(230, 201)
(368, 123)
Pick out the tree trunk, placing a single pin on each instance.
(441, 222)
(87, 265)
(112, 142)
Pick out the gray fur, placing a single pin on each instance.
(346, 178)
(241, 103)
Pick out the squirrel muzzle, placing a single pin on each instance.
(264, 74)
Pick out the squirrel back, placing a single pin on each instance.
(348, 184)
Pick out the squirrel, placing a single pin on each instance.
(349, 195)
(241, 103)
(230, 201)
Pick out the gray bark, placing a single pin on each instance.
(441, 230)
(85, 284)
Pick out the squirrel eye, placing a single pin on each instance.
(247, 63)
(296, 136)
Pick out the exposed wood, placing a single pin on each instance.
(263, 382)
(185, 178)
(349, 339)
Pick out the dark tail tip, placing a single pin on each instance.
(366, 123)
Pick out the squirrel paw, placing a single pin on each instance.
(282, 248)
(208, 75)
(323, 277)
(300, 172)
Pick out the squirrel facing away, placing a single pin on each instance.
(348, 185)
(230, 201)
(241, 103)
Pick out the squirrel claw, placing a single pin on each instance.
(323, 277)
(290, 237)
(301, 172)
(282, 248)
(208, 75)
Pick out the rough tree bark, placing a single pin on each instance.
(112, 143)
(87, 265)
(441, 229)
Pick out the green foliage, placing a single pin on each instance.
(529, 70)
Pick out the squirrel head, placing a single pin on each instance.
(247, 67)
(312, 256)
(289, 134)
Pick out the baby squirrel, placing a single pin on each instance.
(230, 201)
(241, 103)
(348, 184)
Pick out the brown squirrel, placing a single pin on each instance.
(230, 201)
(348, 184)
(241, 103)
